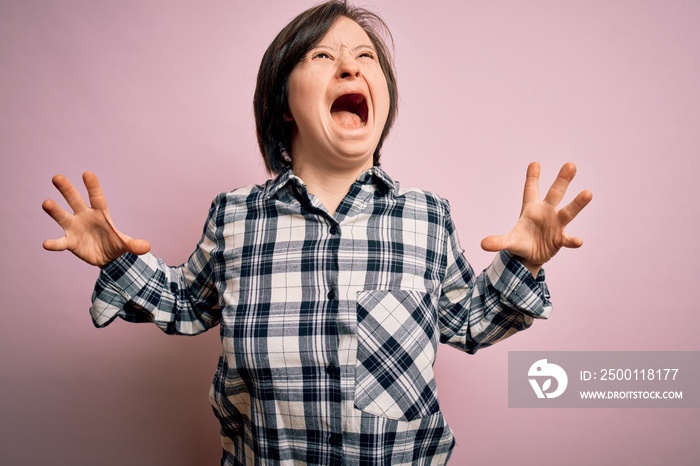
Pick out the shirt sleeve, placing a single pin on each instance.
(179, 300)
(478, 311)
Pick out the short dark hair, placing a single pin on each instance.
(291, 45)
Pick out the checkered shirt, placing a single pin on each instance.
(329, 323)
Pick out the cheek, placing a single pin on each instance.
(293, 96)
(381, 98)
(302, 97)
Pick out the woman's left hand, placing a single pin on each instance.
(539, 233)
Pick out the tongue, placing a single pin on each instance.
(346, 119)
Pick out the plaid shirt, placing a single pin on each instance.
(329, 323)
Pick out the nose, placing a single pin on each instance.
(348, 67)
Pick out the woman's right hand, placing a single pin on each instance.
(89, 231)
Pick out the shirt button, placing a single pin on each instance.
(331, 369)
(335, 440)
(331, 295)
(333, 230)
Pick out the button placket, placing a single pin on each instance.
(332, 369)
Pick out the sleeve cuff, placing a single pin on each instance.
(118, 282)
(518, 288)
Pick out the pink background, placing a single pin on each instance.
(156, 98)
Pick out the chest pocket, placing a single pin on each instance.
(396, 350)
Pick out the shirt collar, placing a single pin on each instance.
(288, 177)
(376, 173)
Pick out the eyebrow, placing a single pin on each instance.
(355, 49)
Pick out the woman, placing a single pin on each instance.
(331, 284)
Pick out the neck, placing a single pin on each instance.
(328, 185)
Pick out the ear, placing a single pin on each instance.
(288, 117)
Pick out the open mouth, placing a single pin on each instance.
(350, 111)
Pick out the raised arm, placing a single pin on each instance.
(89, 231)
(539, 232)
(478, 311)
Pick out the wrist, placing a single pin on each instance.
(532, 267)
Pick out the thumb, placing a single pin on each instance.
(494, 243)
(138, 246)
(133, 245)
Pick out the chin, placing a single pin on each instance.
(355, 145)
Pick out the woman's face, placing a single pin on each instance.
(338, 100)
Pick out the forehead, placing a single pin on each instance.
(345, 32)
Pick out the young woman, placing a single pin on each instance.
(331, 284)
